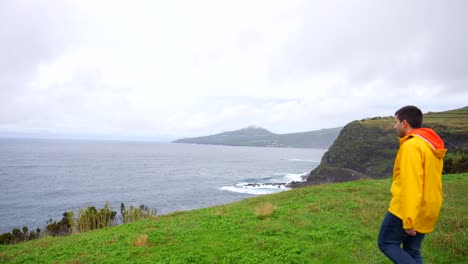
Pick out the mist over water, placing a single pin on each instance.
(41, 179)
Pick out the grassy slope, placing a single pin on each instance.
(456, 121)
(335, 223)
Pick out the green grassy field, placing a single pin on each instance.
(454, 121)
(335, 223)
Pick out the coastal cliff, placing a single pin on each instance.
(366, 149)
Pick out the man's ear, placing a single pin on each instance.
(404, 123)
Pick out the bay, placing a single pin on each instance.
(41, 178)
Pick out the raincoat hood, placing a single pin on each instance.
(431, 138)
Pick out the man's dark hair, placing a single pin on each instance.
(411, 114)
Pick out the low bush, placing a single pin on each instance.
(456, 162)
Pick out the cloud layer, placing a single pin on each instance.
(153, 69)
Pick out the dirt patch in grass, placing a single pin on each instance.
(141, 240)
(265, 210)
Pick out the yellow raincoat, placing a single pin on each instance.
(417, 180)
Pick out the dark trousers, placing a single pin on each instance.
(392, 236)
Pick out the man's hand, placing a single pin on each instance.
(411, 232)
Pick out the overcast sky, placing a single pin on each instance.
(170, 69)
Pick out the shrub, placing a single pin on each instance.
(61, 228)
(6, 238)
(91, 218)
(136, 213)
(88, 219)
(456, 162)
(17, 236)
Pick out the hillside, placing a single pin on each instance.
(335, 223)
(260, 137)
(367, 148)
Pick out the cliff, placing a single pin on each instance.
(367, 148)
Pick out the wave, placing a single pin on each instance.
(266, 185)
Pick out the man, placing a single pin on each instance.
(416, 188)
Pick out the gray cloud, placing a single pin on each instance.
(32, 32)
(185, 69)
(398, 41)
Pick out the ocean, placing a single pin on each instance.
(43, 178)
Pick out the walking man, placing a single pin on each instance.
(416, 188)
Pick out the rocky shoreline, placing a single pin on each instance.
(257, 185)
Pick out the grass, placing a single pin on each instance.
(335, 223)
(454, 121)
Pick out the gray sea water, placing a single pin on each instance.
(40, 179)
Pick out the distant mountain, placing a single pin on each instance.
(260, 137)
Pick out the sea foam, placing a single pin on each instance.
(267, 185)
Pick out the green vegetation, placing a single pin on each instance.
(455, 121)
(88, 219)
(335, 223)
(367, 148)
(91, 218)
(18, 236)
(134, 214)
(456, 162)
